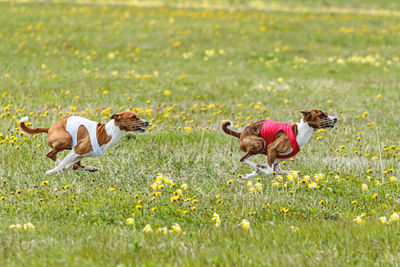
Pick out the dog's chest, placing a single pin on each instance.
(115, 133)
(304, 133)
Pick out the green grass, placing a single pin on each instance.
(186, 70)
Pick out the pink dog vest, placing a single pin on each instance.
(270, 128)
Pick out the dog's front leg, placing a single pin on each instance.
(257, 170)
(69, 160)
(259, 167)
(266, 168)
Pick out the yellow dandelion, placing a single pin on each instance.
(245, 224)
(394, 217)
(358, 220)
(364, 187)
(147, 229)
(284, 210)
(176, 228)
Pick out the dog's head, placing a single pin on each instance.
(318, 119)
(129, 121)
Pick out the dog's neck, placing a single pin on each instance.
(115, 132)
(304, 132)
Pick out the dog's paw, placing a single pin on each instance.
(90, 169)
(50, 172)
(249, 176)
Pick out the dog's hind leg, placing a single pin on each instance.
(58, 141)
(253, 146)
(250, 175)
(53, 155)
(280, 145)
(79, 167)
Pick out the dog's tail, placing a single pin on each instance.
(226, 126)
(30, 130)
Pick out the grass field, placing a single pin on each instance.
(186, 70)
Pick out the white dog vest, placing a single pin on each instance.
(73, 124)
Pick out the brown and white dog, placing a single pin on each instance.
(253, 143)
(107, 135)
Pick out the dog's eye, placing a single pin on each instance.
(322, 116)
(135, 117)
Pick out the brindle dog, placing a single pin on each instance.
(253, 143)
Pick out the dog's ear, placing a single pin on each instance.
(304, 112)
(114, 117)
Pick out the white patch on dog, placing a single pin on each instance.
(304, 133)
(230, 126)
(24, 119)
(116, 134)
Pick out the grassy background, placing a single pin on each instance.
(186, 70)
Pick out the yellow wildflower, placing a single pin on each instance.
(29, 227)
(245, 224)
(15, 227)
(176, 228)
(394, 217)
(147, 229)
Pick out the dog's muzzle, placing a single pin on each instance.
(333, 121)
(140, 129)
(328, 122)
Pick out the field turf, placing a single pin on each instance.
(172, 196)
